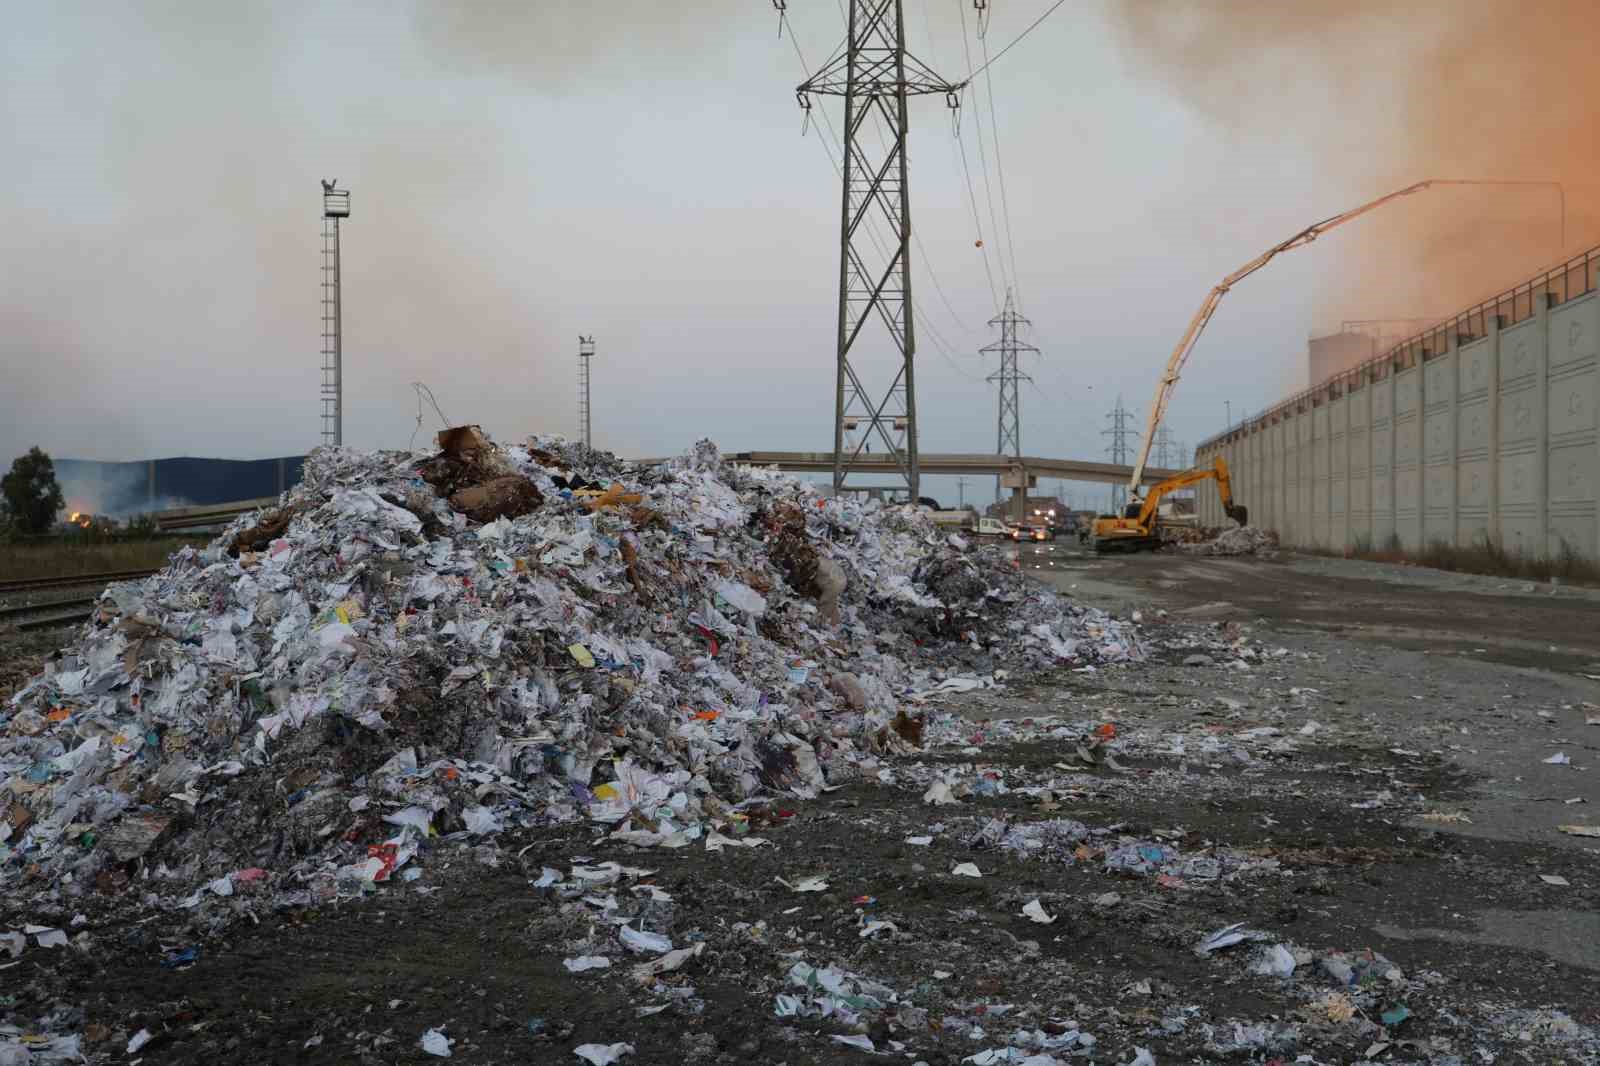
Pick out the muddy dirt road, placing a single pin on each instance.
(1355, 762)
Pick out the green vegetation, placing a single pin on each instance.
(31, 493)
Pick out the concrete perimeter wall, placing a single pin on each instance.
(1485, 427)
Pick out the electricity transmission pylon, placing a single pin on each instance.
(876, 76)
(1008, 431)
(1168, 452)
(1121, 448)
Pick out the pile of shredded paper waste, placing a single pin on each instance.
(1237, 540)
(415, 647)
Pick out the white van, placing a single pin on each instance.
(990, 527)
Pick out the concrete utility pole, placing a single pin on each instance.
(1120, 449)
(1008, 434)
(585, 353)
(876, 76)
(961, 492)
(335, 206)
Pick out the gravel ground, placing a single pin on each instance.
(1359, 778)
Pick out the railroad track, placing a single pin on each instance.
(37, 584)
(46, 615)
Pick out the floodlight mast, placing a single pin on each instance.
(335, 207)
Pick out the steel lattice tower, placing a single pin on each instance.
(1166, 449)
(1120, 449)
(585, 353)
(335, 206)
(876, 76)
(1008, 432)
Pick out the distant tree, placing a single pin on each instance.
(31, 491)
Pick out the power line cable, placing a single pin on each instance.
(983, 152)
(999, 166)
(1017, 40)
(977, 221)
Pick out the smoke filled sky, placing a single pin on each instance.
(523, 173)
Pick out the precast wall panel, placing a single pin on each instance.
(1305, 452)
(1358, 405)
(1570, 402)
(1472, 459)
(1407, 450)
(1278, 493)
(1292, 527)
(1521, 412)
(1338, 473)
(1382, 461)
(1438, 450)
(1320, 476)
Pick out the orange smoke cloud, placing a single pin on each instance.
(1379, 94)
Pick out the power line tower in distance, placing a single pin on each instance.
(1169, 452)
(876, 76)
(1121, 448)
(1008, 432)
(585, 353)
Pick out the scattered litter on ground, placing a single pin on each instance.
(1035, 911)
(435, 1043)
(1276, 961)
(584, 963)
(602, 1054)
(1227, 937)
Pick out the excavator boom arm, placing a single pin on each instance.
(1218, 470)
(1197, 325)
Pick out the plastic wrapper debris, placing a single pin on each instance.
(644, 943)
(1034, 911)
(585, 963)
(829, 992)
(435, 1043)
(381, 669)
(1276, 961)
(602, 1054)
(1359, 968)
(1227, 937)
(672, 960)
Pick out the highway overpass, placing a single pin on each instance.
(955, 463)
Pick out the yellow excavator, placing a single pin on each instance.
(1135, 528)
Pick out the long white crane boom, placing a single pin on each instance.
(1186, 343)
